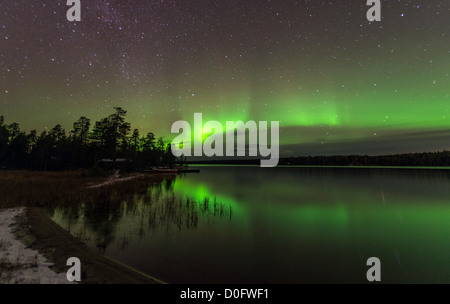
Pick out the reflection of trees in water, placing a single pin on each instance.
(115, 214)
(183, 213)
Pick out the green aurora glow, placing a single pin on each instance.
(337, 85)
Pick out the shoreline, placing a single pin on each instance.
(20, 264)
(327, 167)
(49, 244)
(38, 232)
(115, 179)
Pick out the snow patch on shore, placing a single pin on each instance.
(115, 179)
(21, 265)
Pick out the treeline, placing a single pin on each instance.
(108, 140)
(431, 159)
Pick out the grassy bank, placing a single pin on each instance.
(42, 192)
(40, 233)
(50, 189)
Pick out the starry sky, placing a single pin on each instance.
(337, 83)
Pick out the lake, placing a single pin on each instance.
(245, 224)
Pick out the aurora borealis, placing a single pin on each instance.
(336, 82)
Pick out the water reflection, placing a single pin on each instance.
(108, 217)
(280, 225)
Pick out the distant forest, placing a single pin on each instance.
(110, 139)
(428, 159)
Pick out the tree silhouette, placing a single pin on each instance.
(110, 139)
(82, 148)
(80, 132)
(4, 139)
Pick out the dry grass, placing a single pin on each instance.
(50, 189)
(9, 268)
(33, 188)
(3, 245)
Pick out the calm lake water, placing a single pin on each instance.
(281, 225)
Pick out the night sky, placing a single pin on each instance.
(336, 82)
